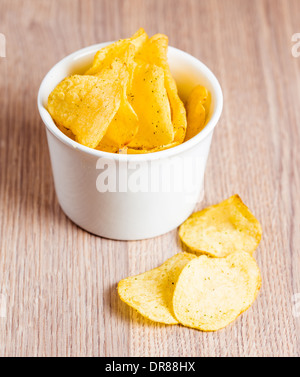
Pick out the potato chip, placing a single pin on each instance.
(67, 132)
(144, 151)
(122, 128)
(120, 49)
(155, 51)
(149, 100)
(221, 229)
(151, 292)
(200, 94)
(124, 125)
(196, 112)
(86, 105)
(207, 106)
(106, 146)
(212, 292)
(127, 102)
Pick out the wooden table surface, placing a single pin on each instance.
(57, 282)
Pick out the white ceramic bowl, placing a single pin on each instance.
(130, 197)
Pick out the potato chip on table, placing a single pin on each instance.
(151, 293)
(212, 292)
(203, 292)
(221, 229)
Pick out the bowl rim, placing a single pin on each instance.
(75, 56)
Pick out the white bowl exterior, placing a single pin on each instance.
(130, 215)
(125, 215)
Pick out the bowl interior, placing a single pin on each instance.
(187, 71)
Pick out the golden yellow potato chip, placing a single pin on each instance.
(154, 51)
(123, 48)
(149, 100)
(122, 128)
(151, 292)
(144, 151)
(196, 112)
(124, 125)
(200, 94)
(67, 132)
(106, 146)
(86, 105)
(212, 292)
(139, 39)
(221, 229)
(207, 106)
(127, 102)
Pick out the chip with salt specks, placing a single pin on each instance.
(86, 105)
(122, 128)
(149, 100)
(124, 47)
(221, 229)
(137, 110)
(212, 292)
(151, 293)
(155, 51)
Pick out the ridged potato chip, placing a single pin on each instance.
(196, 112)
(155, 51)
(151, 293)
(86, 105)
(221, 229)
(149, 100)
(212, 292)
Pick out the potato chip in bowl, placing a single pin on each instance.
(128, 101)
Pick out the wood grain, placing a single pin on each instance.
(59, 281)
